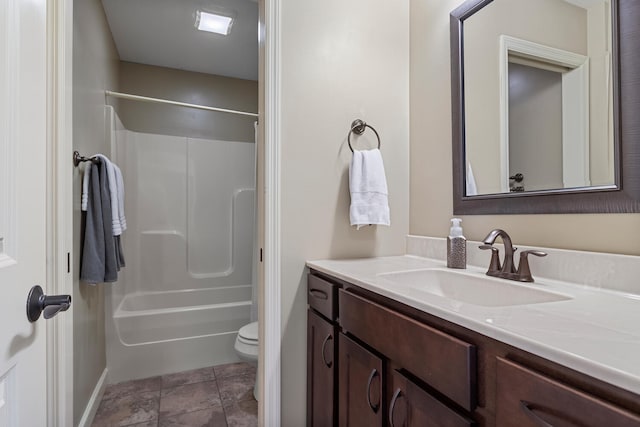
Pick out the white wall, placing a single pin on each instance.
(340, 61)
(95, 68)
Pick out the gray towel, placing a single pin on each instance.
(99, 261)
(119, 253)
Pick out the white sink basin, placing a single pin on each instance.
(472, 288)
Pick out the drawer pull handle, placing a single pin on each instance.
(392, 406)
(526, 408)
(317, 293)
(324, 344)
(374, 407)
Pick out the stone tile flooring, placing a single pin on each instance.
(219, 396)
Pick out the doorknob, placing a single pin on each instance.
(37, 302)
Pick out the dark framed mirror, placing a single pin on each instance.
(592, 164)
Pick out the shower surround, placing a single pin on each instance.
(187, 286)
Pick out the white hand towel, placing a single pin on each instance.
(113, 191)
(85, 186)
(120, 187)
(368, 187)
(116, 189)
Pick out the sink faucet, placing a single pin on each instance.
(507, 265)
(508, 270)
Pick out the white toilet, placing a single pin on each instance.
(247, 348)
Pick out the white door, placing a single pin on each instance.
(23, 132)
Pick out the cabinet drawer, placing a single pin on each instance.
(322, 296)
(527, 398)
(411, 406)
(442, 361)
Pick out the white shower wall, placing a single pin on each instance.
(189, 211)
(187, 285)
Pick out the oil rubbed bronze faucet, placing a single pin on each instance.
(508, 270)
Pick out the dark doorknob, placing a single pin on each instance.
(37, 302)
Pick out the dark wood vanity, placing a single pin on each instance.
(373, 361)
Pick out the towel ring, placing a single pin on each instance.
(358, 127)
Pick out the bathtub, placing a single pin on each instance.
(164, 332)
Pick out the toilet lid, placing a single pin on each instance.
(249, 332)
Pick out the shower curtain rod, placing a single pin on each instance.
(180, 104)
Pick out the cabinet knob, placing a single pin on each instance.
(317, 293)
(374, 406)
(324, 344)
(392, 406)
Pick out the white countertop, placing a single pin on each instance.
(596, 332)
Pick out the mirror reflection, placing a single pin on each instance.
(538, 96)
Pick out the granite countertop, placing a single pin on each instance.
(594, 331)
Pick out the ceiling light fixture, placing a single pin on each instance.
(213, 23)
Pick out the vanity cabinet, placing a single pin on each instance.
(399, 366)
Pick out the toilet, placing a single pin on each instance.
(246, 347)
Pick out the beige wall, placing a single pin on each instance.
(187, 86)
(95, 65)
(340, 61)
(431, 182)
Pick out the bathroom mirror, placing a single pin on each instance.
(539, 123)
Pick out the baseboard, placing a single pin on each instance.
(94, 401)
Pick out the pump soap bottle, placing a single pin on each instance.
(456, 246)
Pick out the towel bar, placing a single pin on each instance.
(77, 159)
(358, 127)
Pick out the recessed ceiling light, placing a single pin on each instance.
(213, 22)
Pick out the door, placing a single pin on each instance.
(321, 368)
(23, 168)
(360, 386)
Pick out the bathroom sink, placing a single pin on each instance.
(472, 288)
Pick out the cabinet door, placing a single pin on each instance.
(321, 368)
(360, 385)
(528, 399)
(411, 406)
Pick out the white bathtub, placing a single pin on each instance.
(166, 332)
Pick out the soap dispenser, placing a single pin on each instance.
(456, 246)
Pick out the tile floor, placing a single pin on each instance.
(219, 396)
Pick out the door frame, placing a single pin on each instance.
(60, 212)
(59, 209)
(575, 86)
(269, 406)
